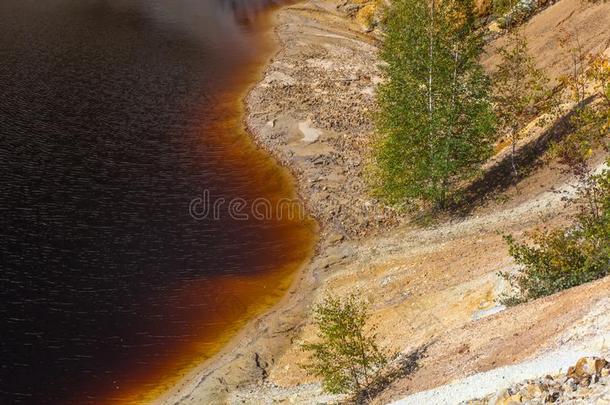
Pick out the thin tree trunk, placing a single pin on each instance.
(514, 154)
(353, 370)
(430, 98)
(430, 56)
(446, 174)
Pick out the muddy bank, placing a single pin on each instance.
(313, 112)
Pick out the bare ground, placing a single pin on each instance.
(313, 112)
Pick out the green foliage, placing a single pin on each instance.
(512, 13)
(435, 121)
(521, 91)
(579, 253)
(501, 7)
(347, 360)
(566, 257)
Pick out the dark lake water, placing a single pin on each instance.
(114, 116)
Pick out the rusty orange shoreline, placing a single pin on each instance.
(243, 295)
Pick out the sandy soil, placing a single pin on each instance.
(436, 286)
(312, 111)
(587, 21)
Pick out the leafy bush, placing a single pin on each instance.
(347, 359)
(567, 257)
(371, 14)
(580, 253)
(501, 7)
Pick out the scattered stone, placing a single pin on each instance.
(586, 367)
(495, 27)
(331, 260)
(586, 382)
(323, 93)
(335, 238)
(310, 134)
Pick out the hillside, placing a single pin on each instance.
(434, 288)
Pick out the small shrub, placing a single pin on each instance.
(566, 257)
(370, 14)
(348, 360)
(501, 7)
(366, 16)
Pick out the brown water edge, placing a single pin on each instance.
(236, 299)
(248, 289)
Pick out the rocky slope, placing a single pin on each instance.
(587, 381)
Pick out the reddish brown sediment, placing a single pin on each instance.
(240, 298)
(236, 299)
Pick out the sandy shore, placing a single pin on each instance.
(311, 111)
(436, 286)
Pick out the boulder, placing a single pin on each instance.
(586, 367)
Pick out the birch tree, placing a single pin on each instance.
(435, 121)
